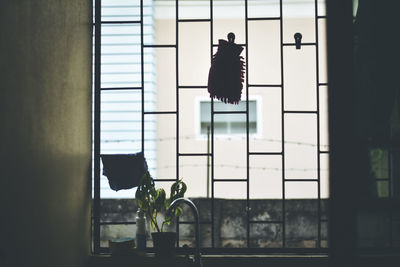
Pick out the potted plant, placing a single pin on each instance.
(152, 202)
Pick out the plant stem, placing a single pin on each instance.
(155, 222)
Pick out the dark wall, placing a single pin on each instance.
(363, 73)
(45, 120)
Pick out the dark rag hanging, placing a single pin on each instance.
(226, 76)
(124, 171)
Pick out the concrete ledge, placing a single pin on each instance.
(213, 261)
(284, 260)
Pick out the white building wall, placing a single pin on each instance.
(121, 119)
(264, 68)
(121, 110)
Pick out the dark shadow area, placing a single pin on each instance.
(364, 129)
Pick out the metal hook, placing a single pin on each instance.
(297, 39)
(231, 37)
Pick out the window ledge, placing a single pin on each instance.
(211, 260)
(106, 260)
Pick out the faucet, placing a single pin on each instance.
(197, 257)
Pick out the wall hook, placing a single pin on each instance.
(297, 39)
(231, 37)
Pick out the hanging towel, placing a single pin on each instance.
(124, 171)
(226, 75)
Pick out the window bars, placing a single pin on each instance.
(140, 22)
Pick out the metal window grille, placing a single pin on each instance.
(139, 21)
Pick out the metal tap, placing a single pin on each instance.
(197, 256)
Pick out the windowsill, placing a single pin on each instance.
(287, 260)
(211, 260)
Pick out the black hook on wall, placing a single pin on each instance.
(231, 37)
(297, 39)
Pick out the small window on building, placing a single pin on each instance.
(228, 123)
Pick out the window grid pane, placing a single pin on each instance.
(229, 125)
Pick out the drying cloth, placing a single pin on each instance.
(226, 75)
(124, 171)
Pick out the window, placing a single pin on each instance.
(225, 124)
(264, 171)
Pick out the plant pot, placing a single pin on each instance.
(164, 244)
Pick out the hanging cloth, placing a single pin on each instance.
(124, 171)
(226, 75)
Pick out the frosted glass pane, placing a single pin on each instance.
(194, 9)
(323, 117)
(230, 157)
(191, 141)
(299, 190)
(324, 175)
(265, 177)
(163, 90)
(194, 53)
(193, 171)
(120, 122)
(120, 33)
(300, 146)
(322, 50)
(263, 8)
(300, 78)
(164, 31)
(120, 40)
(269, 121)
(321, 8)
(122, 10)
(230, 190)
(163, 150)
(298, 16)
(264, 63)
(229, 18)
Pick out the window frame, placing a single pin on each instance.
(197, 120)
(247, 250)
